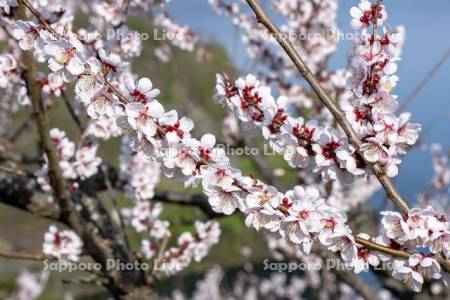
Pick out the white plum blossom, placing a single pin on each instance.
(142, 91)
(144, 215)
(62, 244)
(409, 277)
(30, 286)
(224, 199)
(101, 104)
(438, 237)
(426, 266)
(111, 61)
(140, 174)
(305, 217)
(191, 247)
(395, 225)
(28, 35)
(91, 83)
(9, 70)
(75, 163)
(65, 57)
(364, 13)
(181, 158)
(103, 128)
(176, 129)
(415, 269)
(53, 84)
(142, 116)
(184, 37)
(262, 208)
(343, 242)
(148, 249)
(208, 152)
(365, 258)
(86, 162)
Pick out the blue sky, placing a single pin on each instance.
(427, 26)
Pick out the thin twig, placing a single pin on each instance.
(425, 80)
(377, 247)
(111, 194)
(24, 125)
(161, 250)
(12, 171)
(40, 18)
(327, 101)
(259, 161)
(72, 112)
(93, 279)
(26, 256)
(197, 200)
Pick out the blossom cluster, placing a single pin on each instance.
(179, 36)
(30, 286)
(62, 244)
(190, 247)
(309, 23)
(140, 174)
(441, 168)
(106, 14)
(144, 217)
(245, 286)
(103, 128)
(11, 79)
(370, 107)
(14, 94)
(312, 30)
(414, 232)
(75, 162)
(303, 144)
(325, 149)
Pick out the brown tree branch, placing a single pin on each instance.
(398, 253)
(57, 180)
(20, 192)
(125, 284)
